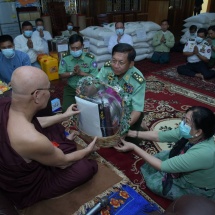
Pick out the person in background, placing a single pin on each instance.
(69, 32)
(120, 71)
(197, 7)
(211, 40)
(41, 33)
(198, 52)
(162, 42)
(75, 66)
(29, 45)
(189, 168)
(38, 161)
(120, 37)
(191, 33)
(10, 59)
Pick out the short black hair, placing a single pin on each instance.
(75, 38)
(125, 48)
(70, 22)
(193, 27)
(26, 23)
(119, 22)
(202, 30)
(212, 27)
(203, 118)
(39, 20)
(5, 38)
(165, 20)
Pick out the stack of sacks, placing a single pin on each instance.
(203, 20)
(98, 37)
(142, 34)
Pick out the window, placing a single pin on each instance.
(122, 5)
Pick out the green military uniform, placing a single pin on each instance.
(133, 84)
(87, 64)
(211, 62)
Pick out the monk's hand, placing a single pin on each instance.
(73, 135)
(92, 147)
(124, 146)
(71, 111)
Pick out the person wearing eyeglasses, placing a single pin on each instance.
(37, 160)
(120, 37)
(73, 67)
(10, 58)
(189, 167)
(120, 71)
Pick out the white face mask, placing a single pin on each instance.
(39, 28)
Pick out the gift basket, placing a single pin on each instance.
(103, 112)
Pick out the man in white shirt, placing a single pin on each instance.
(69, 32)
(41, 33)
(120, 37)
(29, 45)
(198, 52)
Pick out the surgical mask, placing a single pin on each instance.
(119, 31)
(39, 28)
(184, 130)
(76, 53)
(69, 27)
(192, 34)
(28, 33)
(8, 53)
(199, 39)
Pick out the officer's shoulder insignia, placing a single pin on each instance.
(94, 64)
(63, 62)
(90, 55)
(138, 78)
(107, 64)
(206, 43)
(192, 39)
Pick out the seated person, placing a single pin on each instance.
(189, 34)
(29, 45)
(42, 34)
(38, 162)
(162, 42)
(198, 52)
(121, 71)
(120, 37)
(75, 66)
(189, 168)
(69, 32)
(211, 34)
(10, 58)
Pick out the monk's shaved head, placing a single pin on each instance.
(26, 79)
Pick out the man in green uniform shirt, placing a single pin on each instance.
(121, 71)
(74, 67)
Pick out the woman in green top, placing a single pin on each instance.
(189, 168)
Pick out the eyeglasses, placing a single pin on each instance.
(50, 89)
(121, 64)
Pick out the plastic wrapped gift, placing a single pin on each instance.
(103, 112)
(3, 87)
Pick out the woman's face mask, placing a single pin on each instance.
(77, 53)
(184, 130)
(8, 53)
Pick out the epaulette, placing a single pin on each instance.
(138, 77)
(192, 39)
(206, 43)
(90, 55)
(107, 64)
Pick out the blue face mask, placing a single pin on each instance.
(8, 53)
(39, 28)
(192, 34)
(28, 33)
(76, 53)
(119, 31)
(199, 39)
(69, 27)
(184, 130)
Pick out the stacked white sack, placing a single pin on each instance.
(98, 37)
(203, 20)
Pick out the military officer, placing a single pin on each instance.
(74, 67)
(121, 71)
(198, 52)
